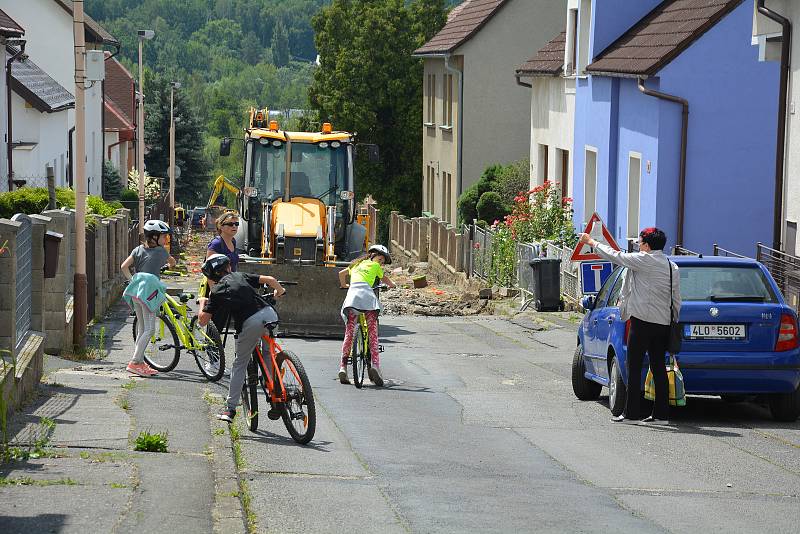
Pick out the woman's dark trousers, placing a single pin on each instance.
(651, 338)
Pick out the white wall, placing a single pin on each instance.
(45, 129)
(50, 44)
(552, 125)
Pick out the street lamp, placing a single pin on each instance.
(173, 86)
(143, 35)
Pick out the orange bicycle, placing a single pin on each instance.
(285, 383)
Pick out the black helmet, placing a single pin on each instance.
(215, 267)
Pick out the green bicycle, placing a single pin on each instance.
(360, 355)
(175, 331)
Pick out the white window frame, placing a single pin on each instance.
(634, 216)
(587, 212)
(584, 42)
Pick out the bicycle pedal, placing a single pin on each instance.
(380, 348)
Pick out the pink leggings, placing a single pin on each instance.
(372, 331)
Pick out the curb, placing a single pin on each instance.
(227, 513)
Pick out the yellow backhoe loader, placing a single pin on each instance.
(298, 217)
(212, 209)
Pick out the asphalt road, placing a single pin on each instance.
(478, 430)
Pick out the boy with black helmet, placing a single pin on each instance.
(145, 292)
(236, 294)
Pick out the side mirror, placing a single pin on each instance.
(225, 146)
(588, 302)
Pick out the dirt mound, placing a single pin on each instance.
(435, 300)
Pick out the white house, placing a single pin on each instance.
(552, 114)
(39, 107)
(768, 35)
(9, 31)
(50, 45)
(474, 114)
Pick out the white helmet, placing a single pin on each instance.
(154, 226)
(383, 251)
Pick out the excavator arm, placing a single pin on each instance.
(219, 184)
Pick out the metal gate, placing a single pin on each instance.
(24, 275)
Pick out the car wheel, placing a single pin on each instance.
(584, 388)
(785, 406)
(617, 392)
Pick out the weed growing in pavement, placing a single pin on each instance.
(219, 431)
(122, 402)
(244, 491)
(28, 481)
(210, 399)
(37, 449)
(101, 342)
(117, 485)
(244, 496)
(130, 384)
(148, 442)
(84, 455)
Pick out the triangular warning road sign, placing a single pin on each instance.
(597, 229)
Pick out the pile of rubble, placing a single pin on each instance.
(433, 300)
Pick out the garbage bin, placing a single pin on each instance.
(52, 240)
(546, 284)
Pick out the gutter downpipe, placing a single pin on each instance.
(786, 47)
(460, 159)
(70, 156)
(684, 135)
(9, 147)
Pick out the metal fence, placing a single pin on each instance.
(719, 251)
(785, 269)
(24, 282)
(481, 252)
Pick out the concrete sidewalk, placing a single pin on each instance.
(75, 468)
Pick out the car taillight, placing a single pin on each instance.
(627, 331)
(787, 334)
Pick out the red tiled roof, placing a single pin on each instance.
(661, 36)
(9, 27)
(461, 25)
(119, 87)
(115, 119)
(96, 32)
(547, 61)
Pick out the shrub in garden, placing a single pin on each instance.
(491, 207)
(467, 205)
(111, 182)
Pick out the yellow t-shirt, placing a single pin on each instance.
(368, 271)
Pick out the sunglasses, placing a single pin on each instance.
(230, 224)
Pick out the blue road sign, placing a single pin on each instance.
(593, 275)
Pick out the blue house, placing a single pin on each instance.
(675, 122)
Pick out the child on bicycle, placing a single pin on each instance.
(236, 294)
(145, 292)
(365, 273)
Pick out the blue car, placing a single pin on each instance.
(740, 338)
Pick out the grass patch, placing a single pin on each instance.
(28, 481)
(148, 442)
(37, 449)
(102, 457)
(219, 431)
(210, 399)
(122, 402)
(129, 385)
(244, 490)
(117, 485)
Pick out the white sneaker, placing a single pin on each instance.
(343, 376)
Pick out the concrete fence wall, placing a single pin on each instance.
(427, 239)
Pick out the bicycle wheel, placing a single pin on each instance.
(299, 412)
(164, 350)
(250, 396)
(357, 355)
(209, 353)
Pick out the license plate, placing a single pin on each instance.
(715, 331)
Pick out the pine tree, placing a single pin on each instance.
(191, 185)
(280, 45)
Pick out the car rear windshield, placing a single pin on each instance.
(725, 284)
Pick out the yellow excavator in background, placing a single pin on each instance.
(298, 217)
(212, 209)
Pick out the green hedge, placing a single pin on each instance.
(32, 200)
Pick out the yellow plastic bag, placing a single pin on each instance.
(677, 391)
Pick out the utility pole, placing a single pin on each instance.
(80, 285)
(143, 34)
(173, 86)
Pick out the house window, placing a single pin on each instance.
(447, 212)
(584, 27)
(544, 164)
(447, 97)
(570, 54)
(429, 188)
(634, 186)
(791, 238)
(589, 184)
(562, 159)
(431, 96)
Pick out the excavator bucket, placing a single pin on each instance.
(312, 307)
